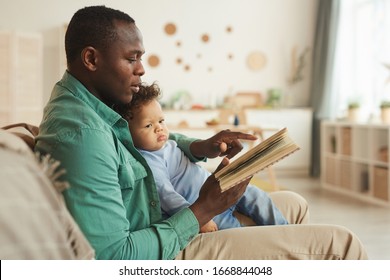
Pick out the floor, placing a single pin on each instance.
(370, 222)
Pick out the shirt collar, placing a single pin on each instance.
(81, 92)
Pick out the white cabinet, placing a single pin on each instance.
(299, 125)
(354, 159)
(297, 121)
(20, 78)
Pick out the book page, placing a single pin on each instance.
(266, 144)
(261, 156)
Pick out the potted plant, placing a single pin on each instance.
(385, 111)
(353, 111)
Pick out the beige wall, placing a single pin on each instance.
(272, 27)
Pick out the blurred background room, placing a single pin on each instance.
(321, 68)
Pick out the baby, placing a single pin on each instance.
(179, 180)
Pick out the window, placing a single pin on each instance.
(363, 55)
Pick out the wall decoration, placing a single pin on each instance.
(298, 63)
(205, 38)
(153, 60)
(170, 28)
(256, 61)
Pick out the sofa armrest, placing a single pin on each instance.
(35, 223)
(26, 132)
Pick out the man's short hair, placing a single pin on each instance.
(92, 26)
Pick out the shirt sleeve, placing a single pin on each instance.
(174, 232)
(184, 142)
(95, 201)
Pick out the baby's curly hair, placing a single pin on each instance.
(145, 94)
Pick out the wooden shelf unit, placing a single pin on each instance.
(354, 159)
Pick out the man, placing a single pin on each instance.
(113, 196)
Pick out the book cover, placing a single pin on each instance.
(266, 153)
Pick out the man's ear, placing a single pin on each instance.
(89, 58)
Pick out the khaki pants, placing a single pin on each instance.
(298, 240)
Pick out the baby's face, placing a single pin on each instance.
(148, 127)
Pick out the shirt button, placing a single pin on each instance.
(153, 203)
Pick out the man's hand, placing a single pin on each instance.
(224, 143)
(212, 201)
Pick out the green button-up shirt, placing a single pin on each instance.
(113, 196)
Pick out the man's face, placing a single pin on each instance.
(119, 67)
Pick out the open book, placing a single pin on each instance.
(266, 153)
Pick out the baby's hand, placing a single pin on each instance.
(209, 227)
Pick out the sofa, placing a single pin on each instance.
(34, 221)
